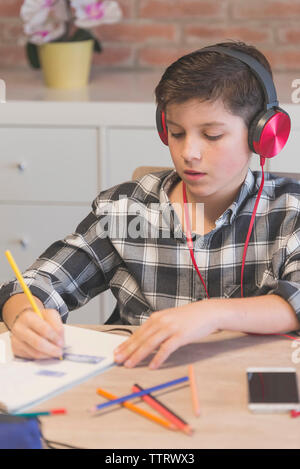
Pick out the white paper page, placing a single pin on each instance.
(23, 384)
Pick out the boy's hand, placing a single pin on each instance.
(33, 337)
(168, 329)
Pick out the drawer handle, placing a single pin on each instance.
(22, 166)
(24, 243)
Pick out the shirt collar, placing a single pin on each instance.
(168, 213)
(249, 187)
(168, 182)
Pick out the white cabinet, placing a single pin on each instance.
(27, 230)
(48, 164)
(48, 178)
(129, 147)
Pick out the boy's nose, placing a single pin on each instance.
(191, 151)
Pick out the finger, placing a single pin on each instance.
(36, 341)
(165, 350)
(124, 350)
(148, 327)
(53, 318)
(40, 326)
(146, 348)
(139, 335)
(132, 344)
(23, 350)
(121, 354)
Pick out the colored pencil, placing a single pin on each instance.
(139, 394)
(294, 413)
(138, 410)
(193, 385)
(23, 285)
(164, 410)
(40, 414)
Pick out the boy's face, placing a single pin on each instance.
(209, 148)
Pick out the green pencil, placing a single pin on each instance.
(40, 414)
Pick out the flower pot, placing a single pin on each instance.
(66, 65)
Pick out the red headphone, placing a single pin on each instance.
(269, 130)
(267, 135)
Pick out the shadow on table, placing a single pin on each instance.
(211, 348)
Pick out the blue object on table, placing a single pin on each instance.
(19, 433)
(145, 391)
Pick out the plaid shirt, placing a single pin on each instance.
(154, 271)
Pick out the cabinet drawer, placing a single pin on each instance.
(28, 231)
(48, 164)
(128, 148)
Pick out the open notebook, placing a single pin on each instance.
(26, 383)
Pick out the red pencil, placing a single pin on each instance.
(164, 410)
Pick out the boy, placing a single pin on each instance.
(209, 100)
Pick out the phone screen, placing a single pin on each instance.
(273, 387)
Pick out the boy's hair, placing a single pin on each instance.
(209, 76)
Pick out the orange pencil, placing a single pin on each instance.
(192, 379)
(138, 410)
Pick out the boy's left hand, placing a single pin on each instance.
(168, 329)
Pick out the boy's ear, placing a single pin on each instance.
(269, 132)
(161, 125)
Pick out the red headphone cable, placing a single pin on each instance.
(189, 237)
(262, 162)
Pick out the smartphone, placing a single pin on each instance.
(272, 389)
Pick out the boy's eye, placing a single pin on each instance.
(176, 135)
(213, 137)
(209, 137)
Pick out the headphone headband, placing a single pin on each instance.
(257, 68)
(269, 130)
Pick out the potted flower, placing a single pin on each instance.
(60, 40)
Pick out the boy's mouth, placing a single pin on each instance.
(193, 175)
(189, 171)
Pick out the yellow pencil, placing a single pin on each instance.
(23, 285)
(138, 410)
(192, 379)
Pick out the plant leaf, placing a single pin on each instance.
(32, 55)
(97, 45)
(83, 35)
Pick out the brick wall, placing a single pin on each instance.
(153, 33)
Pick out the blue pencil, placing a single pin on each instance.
(140, 393)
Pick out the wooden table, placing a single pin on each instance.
(220, 363)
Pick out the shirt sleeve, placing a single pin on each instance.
(71, 271)
(283, 278)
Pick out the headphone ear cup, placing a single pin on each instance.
(269, 132)
(253, 130)
(161, 125)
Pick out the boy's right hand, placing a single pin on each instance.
(33, 337)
